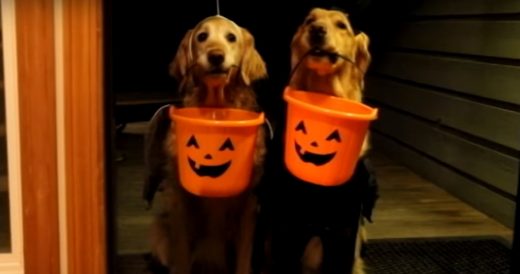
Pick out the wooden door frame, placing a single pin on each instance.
(38, 145)
(60, 77)
(84, 135)
(81, 96)
(12, 261)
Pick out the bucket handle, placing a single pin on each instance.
(317, 51)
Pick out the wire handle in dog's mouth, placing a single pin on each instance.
(333, 56)
(184, 82)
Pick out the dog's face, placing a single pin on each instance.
(216, 50)
(327, 36)
(216, 47)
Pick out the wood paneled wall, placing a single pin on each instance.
(449, 93)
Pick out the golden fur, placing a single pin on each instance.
(342, 78)
(215, 64)
(337, 77)
(242, 65)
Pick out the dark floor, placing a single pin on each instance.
(132, 217)
(409, 207)
(481, 255)
(412, 207)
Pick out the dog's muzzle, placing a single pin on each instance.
(317, 35)
(332, 56)
(216, 58)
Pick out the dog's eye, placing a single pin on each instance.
(334, 136)
(301, 127)
(192, 142)
(309, 21)
(201, 37)
(231, 37)
(341, 25)
(227, 145)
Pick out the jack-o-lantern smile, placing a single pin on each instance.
(212, 171)
(317, 159)
(313, 158)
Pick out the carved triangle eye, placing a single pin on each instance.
(192, 142)
(227, 145)
(301, 127)
(334, 136)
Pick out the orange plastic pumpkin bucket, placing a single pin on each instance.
(323, 136)
(215, 148)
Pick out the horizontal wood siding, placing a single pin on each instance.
(468, 7)
(492, 167)
(482, 79)
(448, 89)
(473, 37)
(487, 201)
(475, 118)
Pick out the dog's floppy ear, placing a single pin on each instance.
(181, 62)
(363, 57)
(252, 67)
(296, 53)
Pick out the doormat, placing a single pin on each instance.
(438, 256)
(397, 256)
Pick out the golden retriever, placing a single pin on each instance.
(334, 58)
(328, 57)
(216, 63)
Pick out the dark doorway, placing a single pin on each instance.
(141, 40)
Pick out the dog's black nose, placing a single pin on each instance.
(317, 34)
(216, 58)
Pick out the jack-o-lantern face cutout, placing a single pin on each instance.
(314, 157)
(207, 169)
(215, 149)
(323, 136)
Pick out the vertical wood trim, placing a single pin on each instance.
(60, 131)
(84, 143)
(12, 262)
(36, 82)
